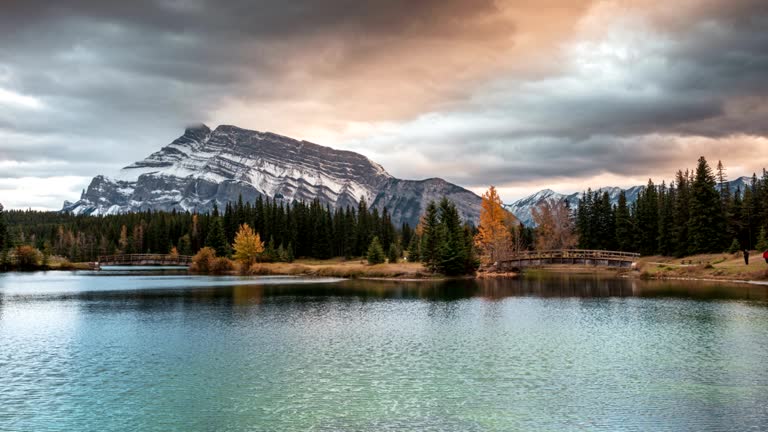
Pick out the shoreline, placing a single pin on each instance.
(728, 268)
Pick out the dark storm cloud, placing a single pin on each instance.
(141, 70)
(637, 101)
(475, 91)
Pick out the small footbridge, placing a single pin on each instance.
(144, 260)
(568, 257)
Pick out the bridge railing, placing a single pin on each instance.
(149, 258)
(574, 253)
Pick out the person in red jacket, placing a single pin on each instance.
(765, 255)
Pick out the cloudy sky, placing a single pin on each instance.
(524, 95)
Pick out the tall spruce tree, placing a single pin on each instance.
(648, 219)
(706, 224)
(414, 249)
(681, 213)
(453, 250)
(585, 220)
(375, 253)
(216, 238)
(364, 231)
(666, 223)
(432, 238)
(3, 231)
(606, 220)
(624, 231)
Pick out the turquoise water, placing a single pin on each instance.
(98, 352)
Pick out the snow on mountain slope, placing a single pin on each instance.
(205, 166)
(523, 208)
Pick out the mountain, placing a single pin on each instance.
(523, 207)
(740, 184)
(205, 166)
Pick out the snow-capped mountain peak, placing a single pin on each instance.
(205, 166)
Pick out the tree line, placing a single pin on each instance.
(288, 230)
(696, 213)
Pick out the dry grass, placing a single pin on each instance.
(708, 266)
(66, 265)
(341, 268)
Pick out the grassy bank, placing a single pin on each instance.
(707, 266)
(53, 263)
(344, 269)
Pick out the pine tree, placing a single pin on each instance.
(289, 257)
(394, 253)
(681, 213)
(386, 229)
(270, 253)
(664, 239)
(363, 232)
(762, 240)
(735, 222)
(414, 249)
(185, 245)
(706, 223)
(453, 249)
(585, 220)
(734, 247)
(375, 253)
(230, 223)
(4, 244)
(216, 238)
(606, 223)
(432, 238)
(648, 219)
(748, 217)
(623, 224)
(282, 255)
(406, 233)
(722, 182)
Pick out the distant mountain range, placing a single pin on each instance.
(523, 207)
(205, 166)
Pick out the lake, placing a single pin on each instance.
(161, 351)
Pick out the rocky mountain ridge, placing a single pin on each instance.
(205, 166)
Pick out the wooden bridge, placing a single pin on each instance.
(573, 257)
(144, 260)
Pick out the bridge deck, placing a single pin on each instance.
(145, 259)
(582, 257)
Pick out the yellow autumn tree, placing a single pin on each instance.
(493, 237)
(248, 246)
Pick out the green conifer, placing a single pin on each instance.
(217, 239)
(706, 223)
(734, 247)
(432, 238)
(393, 254)
(375, 253)
(762, 240)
